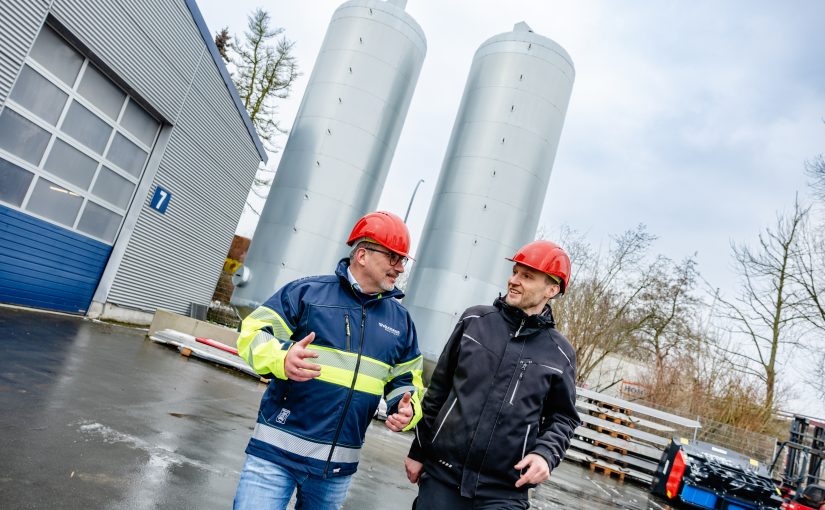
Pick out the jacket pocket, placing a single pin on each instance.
(526, 438)
(522, 368)
(444, 420)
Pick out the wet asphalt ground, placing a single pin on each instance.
(94, 416)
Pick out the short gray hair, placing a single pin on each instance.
(358, 244)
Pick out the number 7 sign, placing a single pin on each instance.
(160, 200)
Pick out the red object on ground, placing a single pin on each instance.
(676, 473)
(218, 345)
(792, 505)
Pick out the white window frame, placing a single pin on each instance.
(56, 132)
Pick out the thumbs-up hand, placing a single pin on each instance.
(402, 418)
(294, 365)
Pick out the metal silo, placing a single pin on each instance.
(493, 180)
(338, 153)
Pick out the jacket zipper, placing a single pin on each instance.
(520, 377)
(444, 420)
(519, 328)
(346, 323)
(524, 447)
(351, 390)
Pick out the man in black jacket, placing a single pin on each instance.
(501, 406)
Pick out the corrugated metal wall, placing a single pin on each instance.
(20, 21)
(153, 46)
(156, 48)
(176, 258)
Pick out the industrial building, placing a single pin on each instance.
(126, 157)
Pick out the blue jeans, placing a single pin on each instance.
(268, 486)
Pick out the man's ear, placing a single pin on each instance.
(361, 256)
(552, 291)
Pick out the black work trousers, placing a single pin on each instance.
(435, 495)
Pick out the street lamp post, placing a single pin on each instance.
(409, 206)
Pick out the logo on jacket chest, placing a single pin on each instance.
(389, 329)
(282, 416)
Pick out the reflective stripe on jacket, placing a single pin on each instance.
(503, 387)
(367, 348)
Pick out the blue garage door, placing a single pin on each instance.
(46, 266)
(73, 146)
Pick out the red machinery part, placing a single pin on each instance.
(217, 345)
(792, 505)
(676, 473)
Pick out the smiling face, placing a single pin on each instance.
(373, 269)
(529, 289)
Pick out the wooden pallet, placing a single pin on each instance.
(620, 431)
(625, 447)
(612, 407)
(636, 409)
(606, 471)
(614, 455)
(624, 418)
(614, 419)
(609, 447)
(604, 465)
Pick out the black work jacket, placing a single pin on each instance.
(503, 387)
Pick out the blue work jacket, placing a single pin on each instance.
(367, 348)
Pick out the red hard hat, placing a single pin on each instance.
(386, 229)
(546, 257)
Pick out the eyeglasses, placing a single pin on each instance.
(394, 257)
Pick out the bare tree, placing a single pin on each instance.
(810, 277)
(816, 378)
(667, 312)
(222, 39)
(815, 169)
(264, 72)
(766, 310)
(596, 313)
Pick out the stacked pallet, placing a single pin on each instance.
(620, 438)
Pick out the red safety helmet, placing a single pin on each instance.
(546, 257)
(386, 229)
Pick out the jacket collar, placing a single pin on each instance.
(341, 272)
(515, 316)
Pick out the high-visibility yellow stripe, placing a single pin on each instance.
(264, 352)
(270, 317)
(397, 392)
(418, 410)
(347, 361)
(343, 377)
(269, 358)
(350, 354)
(409, 366)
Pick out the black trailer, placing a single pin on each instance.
(694, 474)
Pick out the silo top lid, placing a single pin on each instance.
(521, 26)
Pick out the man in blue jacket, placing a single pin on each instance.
(501, 406)
(334, 345)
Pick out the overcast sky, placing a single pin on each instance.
(692, 117)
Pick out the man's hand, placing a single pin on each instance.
(414, 469)
(537, 469)
(295, 367)
(402, 418)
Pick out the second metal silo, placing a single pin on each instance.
(338, 154)
(493, 181)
